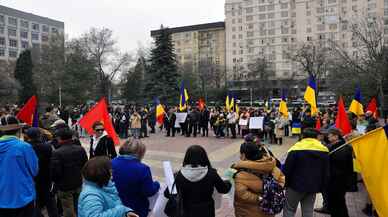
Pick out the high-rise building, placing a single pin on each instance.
(21, 30)
(270, 29)
(200, 47)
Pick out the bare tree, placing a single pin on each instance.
(109, 61)
(369, 59)
(8, 85)
(210, 76)
(313, 57)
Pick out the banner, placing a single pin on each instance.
(256, 123)
(243, 122)
(180, 118)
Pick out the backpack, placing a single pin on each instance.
(273, 197)
(174, 207)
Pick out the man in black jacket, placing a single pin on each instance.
(341, 173)
(204, 122)
(66, 165)
(170, 124)
(193, 119)
(307, 173)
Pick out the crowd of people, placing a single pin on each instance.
(47, 167)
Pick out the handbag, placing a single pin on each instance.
(174, 206)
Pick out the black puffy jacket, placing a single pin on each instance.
(66, 165)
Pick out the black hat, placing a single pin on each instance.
(9, 122)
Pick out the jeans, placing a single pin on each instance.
(69, 200)
(293, 198)
(26, 211)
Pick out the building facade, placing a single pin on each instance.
(270, 29)
(20, 30)
(200, 47)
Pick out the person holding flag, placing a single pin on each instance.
(183, 98)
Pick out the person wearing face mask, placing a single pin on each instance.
(101, 144)
(18, 167)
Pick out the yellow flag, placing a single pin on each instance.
(371, 151)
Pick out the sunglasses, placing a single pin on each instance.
(99, 130)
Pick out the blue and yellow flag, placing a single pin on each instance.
(371, 151)
(231, 107)
(184, 97)
(283, 109)
(309, 95)
(356, 106)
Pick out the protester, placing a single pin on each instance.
(307, 173)
(66, 164)
(44, 197)
(341, 173)
(195, 183)
(133, 178)
(135, 124)
(232, 119)
(253, 165)
(220, 123)
(99, 197)
(204, 122)
(170, 123)
(144, 122)
(280, 124)
(18, 159)
(101, 144)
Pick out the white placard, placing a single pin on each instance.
(160, 204)
(153, 199)
(361, 129)
(169, 176)
(243, 122)
(180, 118)
(256, 123)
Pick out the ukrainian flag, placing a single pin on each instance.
(184, 97)
(356, 106)
(283, 109)
(231, 107)
(371, 152)
(309, 95)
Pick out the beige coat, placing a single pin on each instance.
(135, 121)
(248, 186)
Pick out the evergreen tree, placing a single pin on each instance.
(23, 74)
(80, 77)
(162, 74)
(134, 82)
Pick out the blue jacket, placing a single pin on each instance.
(18, 167)
(134, 182)
(100, 202)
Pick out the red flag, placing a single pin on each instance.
(342, 121)
(26, 114)
(372, 107)
(318, 124)
(201, 104)
(99, 113)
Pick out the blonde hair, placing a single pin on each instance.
(134, 147)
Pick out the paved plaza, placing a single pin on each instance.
(222, 153)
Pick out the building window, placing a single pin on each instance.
(35, 26)
(24, 24)
(249, 18)
(13, 53)
(284, 13)
(271, 32)
(271, 15)
(1, 30)
(45, 28)
(233, 36)
(2, 52)
(12, 21)
(285, 30)
(13, 43)
(262, 8)
(11, 32)
(271, 7)
(284, 6)
(24, 44)
(45, 38)
(250, 34)
(321, 27)
(1, 18)
(240, 36)
(23, 34)
(262, 16)
(333, 26)
(233, 29)
(35, 36)
(309, 38)
(249, 10)
(2, 41)
(308, 13)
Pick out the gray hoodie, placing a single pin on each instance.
(194, 174)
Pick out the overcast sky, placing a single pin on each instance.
(130, 20)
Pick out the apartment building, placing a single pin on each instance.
(199, 45)
(21, 30)
(270, 29)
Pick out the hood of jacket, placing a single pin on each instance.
(6, 142)
(194, 174)
(263, 166)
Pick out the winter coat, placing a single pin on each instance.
(280, 124)
(204, 118)
(249, 185)
(66, 165)
(105, 147)
(135, 121)
(18, 166)
(134, 183)
(307, 166)
(43, 179)
(100, 202)
(196, 186)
